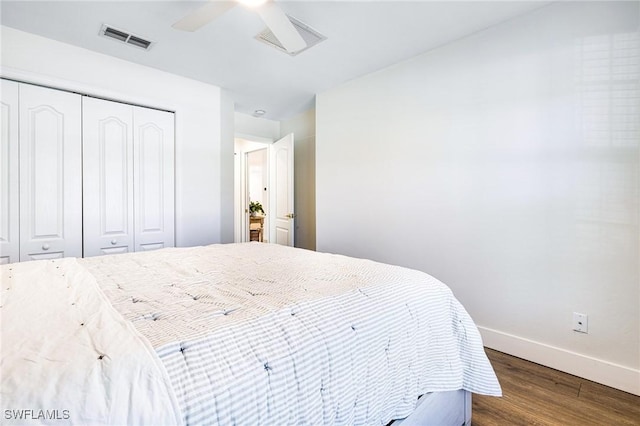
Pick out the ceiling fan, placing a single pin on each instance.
(272, 15)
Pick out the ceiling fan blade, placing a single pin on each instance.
(203, 15)
(281, 27)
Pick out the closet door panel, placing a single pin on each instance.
(153, 178)
(9, 188)
(108, 177)
(50, 173)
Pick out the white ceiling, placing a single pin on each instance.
(362, 37)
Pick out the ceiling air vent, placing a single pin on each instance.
(309, 35)
(125, 37)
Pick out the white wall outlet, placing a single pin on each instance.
(580, 322)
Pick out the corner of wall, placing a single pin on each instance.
(227, 133)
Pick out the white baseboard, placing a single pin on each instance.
(596, 370)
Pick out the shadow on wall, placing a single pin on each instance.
(607, 211)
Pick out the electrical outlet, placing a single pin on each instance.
(580, 322)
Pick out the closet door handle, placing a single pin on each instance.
(45, 247)
(114, 242)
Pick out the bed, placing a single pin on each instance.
(235, 334)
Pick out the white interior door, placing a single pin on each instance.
(108, 177)
(9, 187)
(153, 152)
(50, 173)
(281, 213)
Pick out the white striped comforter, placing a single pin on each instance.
(263, 334)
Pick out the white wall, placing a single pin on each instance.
(249, 127)
(303, 127)
(35, 59)
(507, 165)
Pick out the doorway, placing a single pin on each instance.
(251, 177)
(264, 178)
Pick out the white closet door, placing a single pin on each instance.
(50, 173)
(9, 188)
(108, 177)
(153, 178)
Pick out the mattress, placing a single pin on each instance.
(264, 334)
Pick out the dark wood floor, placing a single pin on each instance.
(537, 395)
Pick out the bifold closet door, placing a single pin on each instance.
(50, 173)
(128, 178)
(108, 177)
(153, 170)
(9, 188)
